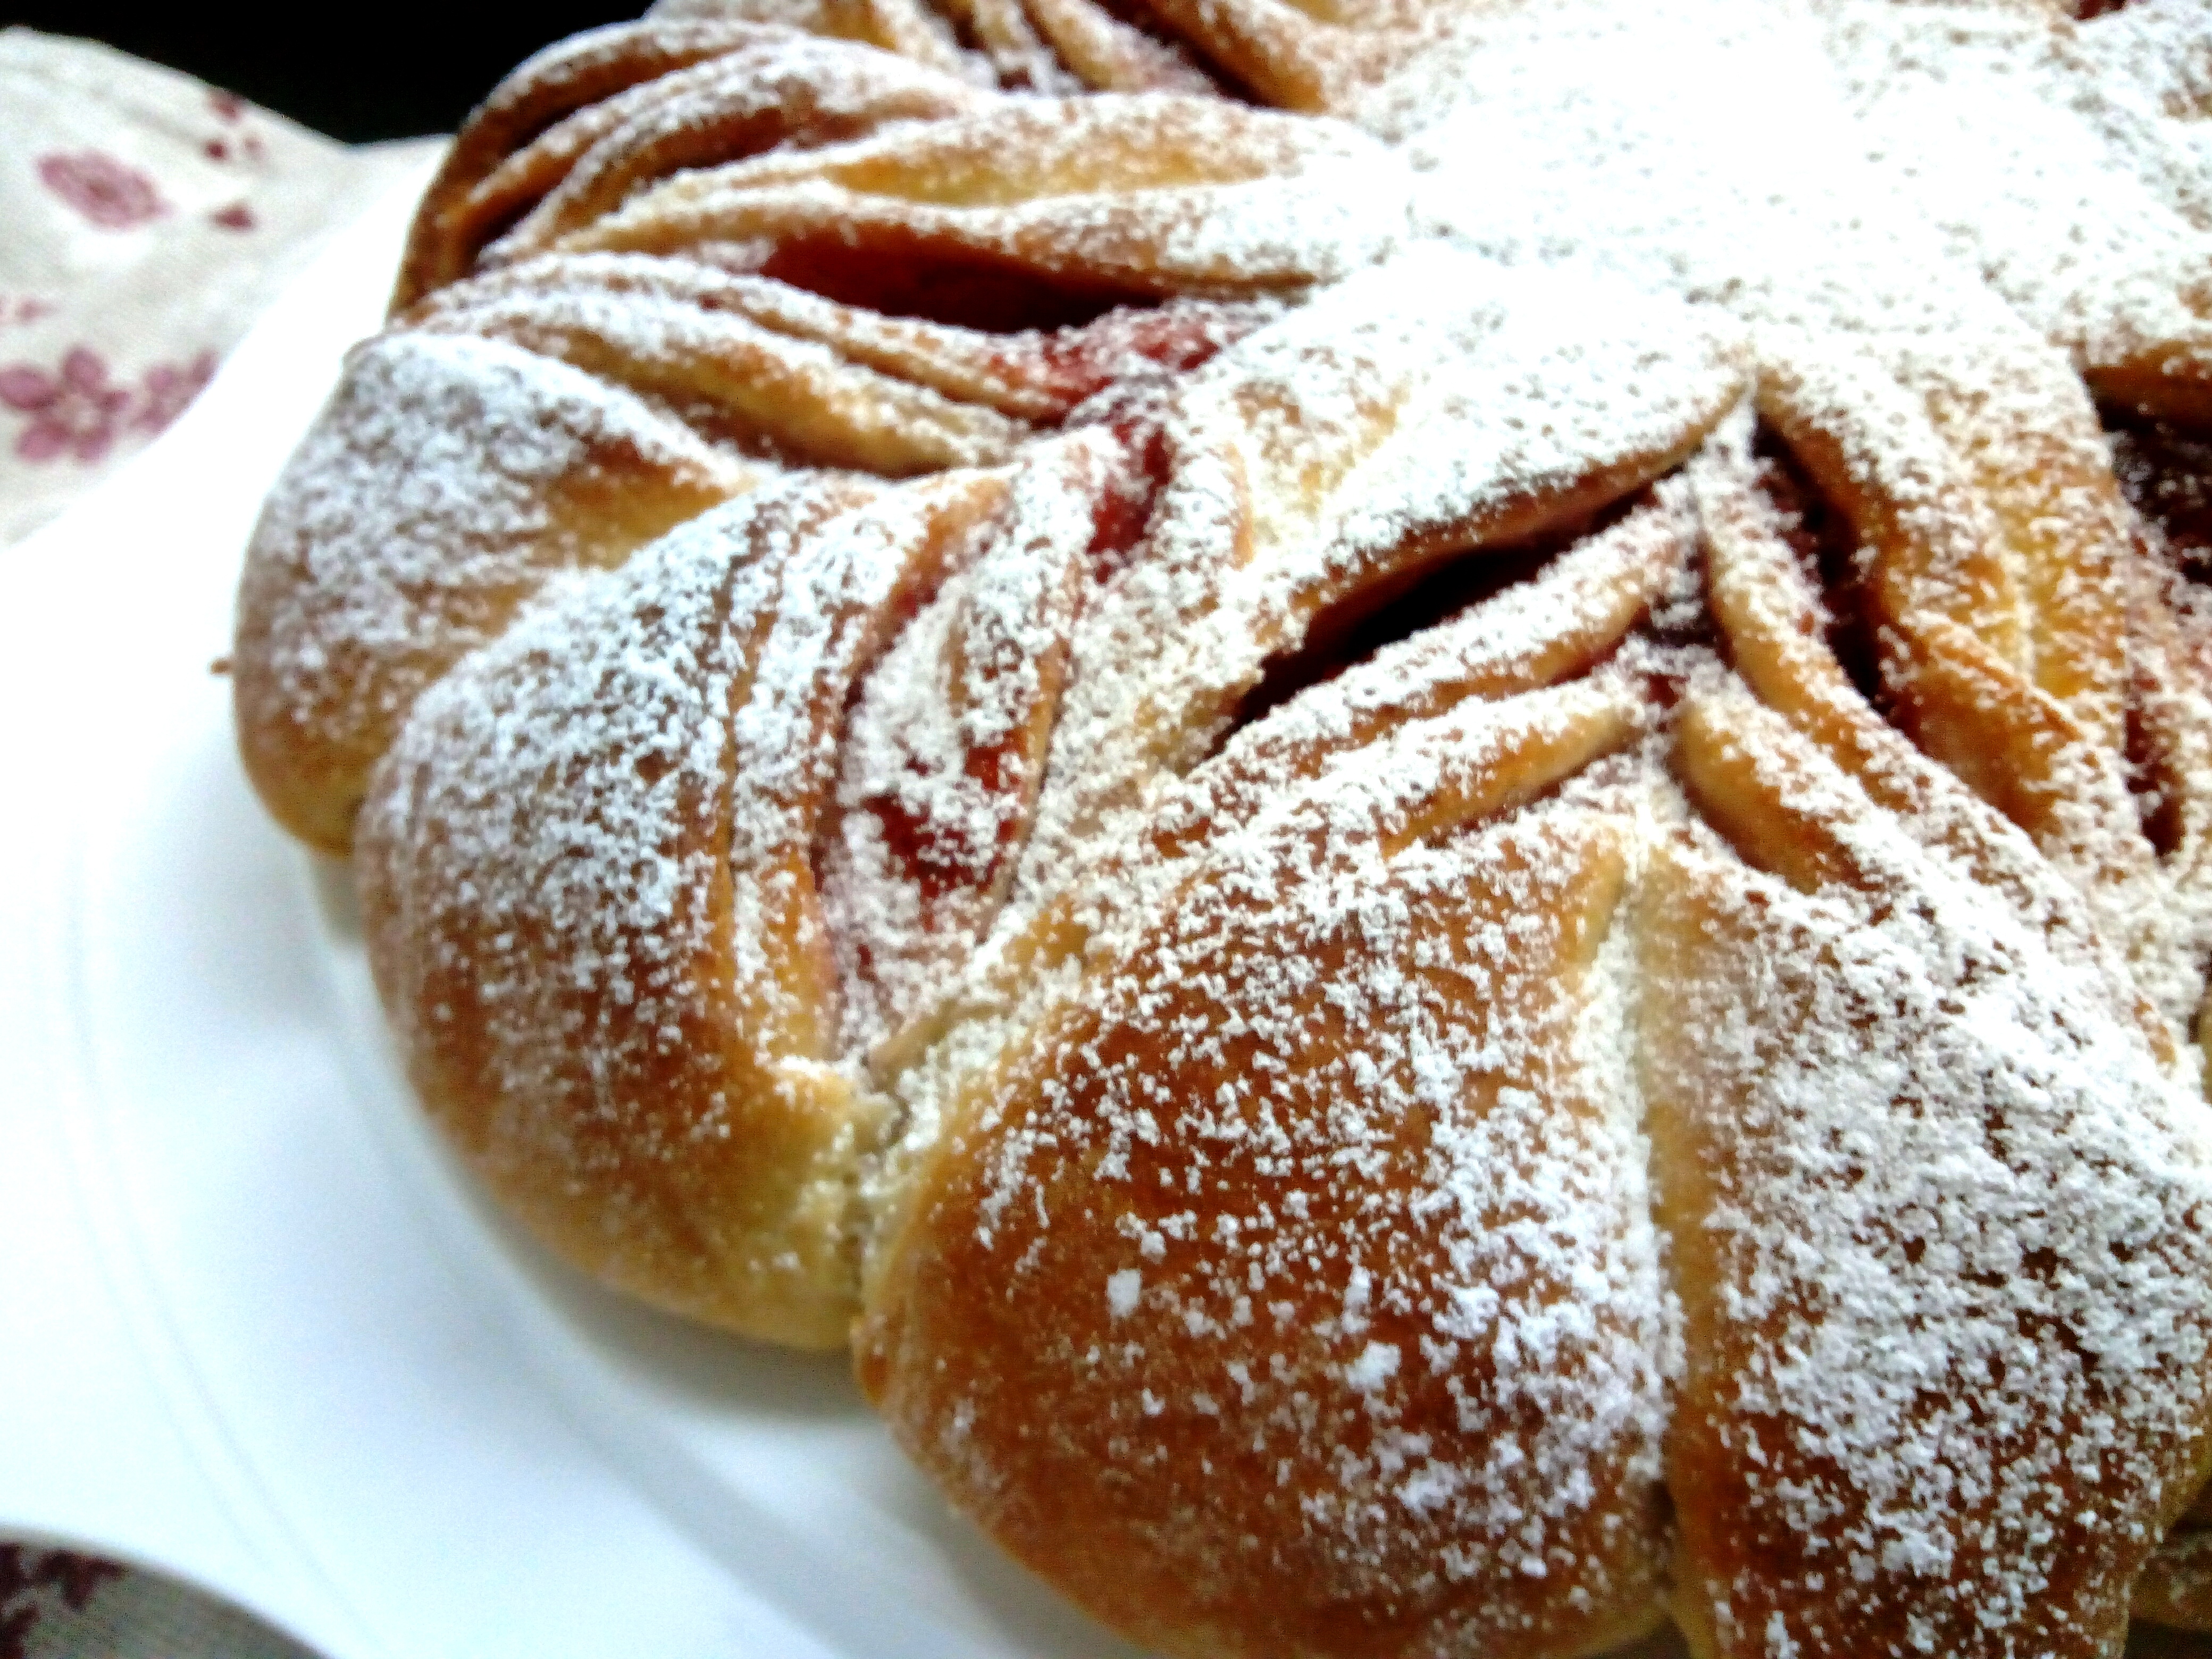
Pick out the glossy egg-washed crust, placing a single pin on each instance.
(1431, 958)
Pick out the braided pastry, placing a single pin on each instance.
(1418, 793)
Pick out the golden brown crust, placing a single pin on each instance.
(1768, 1487)
(1110, 197)
(907, 29)
(582, 71)
(769, 95)
(472, 478)
(699, 1148)
(1233, 1492)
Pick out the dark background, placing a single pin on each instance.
(382, 70)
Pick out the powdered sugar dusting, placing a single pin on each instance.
(432, 497)
(2050, 177)
(549, 839)
(826, 612)
(612, 877)
(1375, 1210)
(767, 391)
(1948, 1278)
(1324, 454)
(1148, 194)
(944, 754)
(775, 89)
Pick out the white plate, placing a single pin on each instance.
(254, 1330)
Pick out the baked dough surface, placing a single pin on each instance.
(1418, 792)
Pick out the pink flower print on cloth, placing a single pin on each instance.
(112, 194)
(26, 1572)
(166, 388)
(73, 410)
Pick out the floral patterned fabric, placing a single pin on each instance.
(57, 1605)
(146, 218)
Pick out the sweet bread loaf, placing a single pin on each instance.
(1418, 793)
